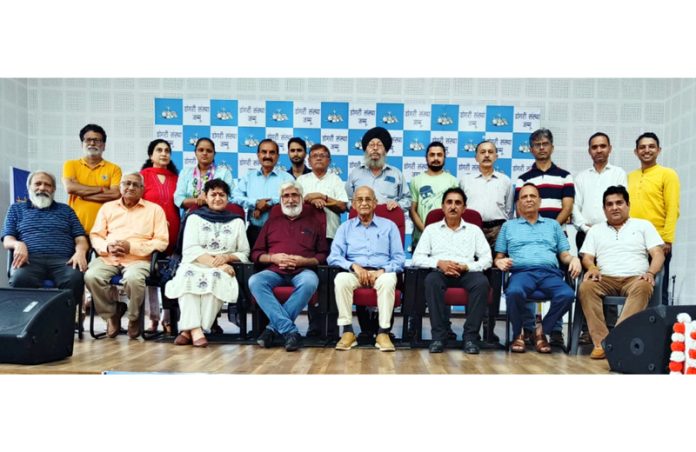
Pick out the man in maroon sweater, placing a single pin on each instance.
(291, 243)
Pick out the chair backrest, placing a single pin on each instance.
(395, 215)
(469, 215)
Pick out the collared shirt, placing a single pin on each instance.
(104, 174)
(427, 190)
(461, 245)
(304, 171)
(50, 232)
(492, 197)
(332, 186)
(623, 252)
(532, 245)
(389, 185)
(554, 184)
(254, 186)
(590, 185)
(377, 245)
(144, 226)
(187, 185)
(302, 236)
(654, 196)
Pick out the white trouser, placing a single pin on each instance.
(198, 311)
(346, 282)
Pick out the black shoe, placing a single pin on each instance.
(215, 328)
(313, 333)
(437, 347)
(265, 340)
(471, 348)
(293, 342)
(556, 339)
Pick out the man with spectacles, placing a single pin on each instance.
(125, 234)
(324, 190)
(557, 192)
(91, 181)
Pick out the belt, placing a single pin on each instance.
(492, 224)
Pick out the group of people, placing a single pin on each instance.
(294, 225)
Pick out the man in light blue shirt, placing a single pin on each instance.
(530, 247)
(258, 190)
(370, 248)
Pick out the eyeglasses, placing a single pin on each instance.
(363, 200)
(93, 141)
(319, 156)
(128, 183)
(541, 144)
(375, 145)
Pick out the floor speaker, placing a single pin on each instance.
(641, 343)
(36, 325)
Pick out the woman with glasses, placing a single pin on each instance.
(213, 238)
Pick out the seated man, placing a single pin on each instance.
(534, 245)
(47, 238)
(291, 243)
(615, 255)
(125, 234)
(370, 248)
(450, 246)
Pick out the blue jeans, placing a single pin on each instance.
(548, 281)
(282, 317)
(530, 319)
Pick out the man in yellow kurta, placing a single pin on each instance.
(654, 194)
(91, 181)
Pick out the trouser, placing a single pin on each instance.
(665, 280)
(637, 292)
(198, 311)
(551, 283)
(385, 286)
(98, 281)
(40, 268)
(282, 317)
(475, 283)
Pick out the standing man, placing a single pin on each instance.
(654, 190)
(370, 248)
(91, 181)
(557, 191)
(530, 247)
(387, 181)
(615, 256)
(459, 253)
(125, 234)
(291, 243)
(297, 151)
(258, 190)
(427, 188)
(47, 239)
(325, 191)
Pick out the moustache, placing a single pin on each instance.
(266, 160)
(42, 194)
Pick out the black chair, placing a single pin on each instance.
(611, 300)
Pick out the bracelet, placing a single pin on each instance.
(651, 274)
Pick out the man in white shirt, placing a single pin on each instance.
(450, 247)
(489, 192)
(615, 257)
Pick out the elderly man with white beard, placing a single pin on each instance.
(47, 239)
(290, 243)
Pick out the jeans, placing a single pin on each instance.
(282, 317)
(42, 268)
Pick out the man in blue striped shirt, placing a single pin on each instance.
(530, 247)
(47, 239)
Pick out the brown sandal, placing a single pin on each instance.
(540, 343)
(518, 345)
(184, 338)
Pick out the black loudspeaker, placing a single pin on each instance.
(36, 325)
(641, 343)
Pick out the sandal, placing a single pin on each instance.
(200, 342)
(518, 345)
(184, 338)
(540, 343)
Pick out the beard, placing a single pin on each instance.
(435, 168)
(40, 200)
(93, 152)
(375, 164)
(291, 212)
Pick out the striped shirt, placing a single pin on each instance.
(553, 184)
(47, 232)
(532, 245)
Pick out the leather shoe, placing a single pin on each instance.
(383, 343)
(347, 341)
(471, 348)
(540, 343)
(597, 353)
(183, 338)
(293, 342)
(200, 342)
(216, 328)
(556, 339)
(265, 340)
(436, 347)
(133, 329)
(113, 325)
(518, 345)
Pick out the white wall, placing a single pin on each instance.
(56, 109)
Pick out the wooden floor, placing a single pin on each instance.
(122, 354)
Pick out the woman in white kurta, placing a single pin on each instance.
(213, 238)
